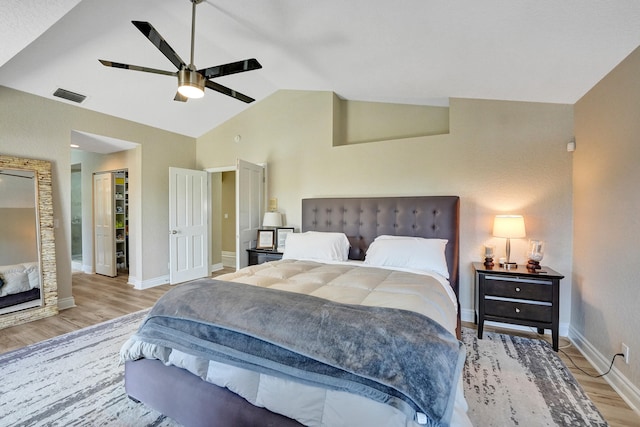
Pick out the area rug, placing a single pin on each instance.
(73, 380)
(515, 381)
(76, 380)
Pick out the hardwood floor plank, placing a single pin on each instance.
(99, 298)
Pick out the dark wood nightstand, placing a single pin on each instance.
(258, 256)
(518, 296)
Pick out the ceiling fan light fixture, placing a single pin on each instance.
(190, 83)
(191, 80)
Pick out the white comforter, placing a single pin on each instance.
(351, 283)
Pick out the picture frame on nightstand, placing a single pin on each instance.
(281, 237)
(266, 239)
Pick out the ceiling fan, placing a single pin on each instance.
(191, 81)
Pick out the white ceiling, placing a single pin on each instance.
(412, 52)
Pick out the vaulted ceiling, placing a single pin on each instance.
(411, 52)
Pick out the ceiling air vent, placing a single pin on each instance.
(70, 96)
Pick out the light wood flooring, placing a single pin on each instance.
(100, 298)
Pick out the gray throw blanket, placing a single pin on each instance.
(390, 355)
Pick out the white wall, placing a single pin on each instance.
(39, 128)
(499, 157)
(606, 292)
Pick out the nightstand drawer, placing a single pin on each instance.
(537, 290)
(259, 256)
(268, 257)
(518, 310)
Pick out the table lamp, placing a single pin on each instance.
(509, 226)
(272, 219)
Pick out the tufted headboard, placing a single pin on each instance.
(364, 218)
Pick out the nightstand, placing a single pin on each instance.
(518, 296)
(258, 256)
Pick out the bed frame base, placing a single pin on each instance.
(191, 401)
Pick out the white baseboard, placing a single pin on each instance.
(621, 384)
(150, 283)
(79, 266)
(563, 328)
(65, 303)
(216, 267)
(468, 315)
(229, 259)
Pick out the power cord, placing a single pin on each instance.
(588, 374)
(535, 331)
(574, 363)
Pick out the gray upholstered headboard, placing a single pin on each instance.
(362, 219)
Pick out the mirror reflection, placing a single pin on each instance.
(20, 278)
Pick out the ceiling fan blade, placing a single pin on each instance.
(231, 68)
(180, 97)
(154, 37)
(230, 92)
(136, 68)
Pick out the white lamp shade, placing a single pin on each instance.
(191, 91)
(509, 226)
(272, 219)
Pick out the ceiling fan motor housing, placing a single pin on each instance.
(190, 83)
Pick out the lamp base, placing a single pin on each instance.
(509, 265)
(488, 262)
(533, 265)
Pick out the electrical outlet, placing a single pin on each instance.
(625, 351)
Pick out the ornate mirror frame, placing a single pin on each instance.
(46, 243)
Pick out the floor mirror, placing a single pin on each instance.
(28, 286)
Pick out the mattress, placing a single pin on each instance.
(351, 283)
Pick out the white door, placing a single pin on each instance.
(188, 226)
(104, 227)
(249, 208)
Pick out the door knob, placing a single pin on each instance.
(174, 232)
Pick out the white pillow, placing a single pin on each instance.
(33, 272)
(316, 245)
(408, 252)
(14, 282)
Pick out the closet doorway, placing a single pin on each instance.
(111, 222)
(91, 154)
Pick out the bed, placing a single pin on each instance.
(19, 283)
(194, 385)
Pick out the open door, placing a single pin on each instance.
(188, 226)
(103, 225)
(249, 208)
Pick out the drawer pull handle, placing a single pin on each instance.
(517, 289)
(517, 310)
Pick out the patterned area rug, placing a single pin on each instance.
(515, 381)
(73, 380)
(76, 380)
